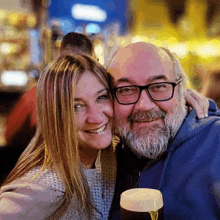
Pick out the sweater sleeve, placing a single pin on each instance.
(28, 200)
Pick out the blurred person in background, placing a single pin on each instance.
(76, 43)
(21, 122)
(211, 86)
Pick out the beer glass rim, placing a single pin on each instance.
(141, 199)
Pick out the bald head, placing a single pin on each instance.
(137, 51)
(139, 56)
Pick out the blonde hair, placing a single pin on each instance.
(55, 144)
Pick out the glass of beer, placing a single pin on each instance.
(141, 204)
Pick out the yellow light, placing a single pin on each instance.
(15, 48)
(6, 48)
(17, 19)
(31, 21)
(3, 14)
(179, 49)
(208, 49)
(122, 41)
(98, 49)
(13, 18)
(159, 43)
(139, 38)
(101, 59)
(58, 43)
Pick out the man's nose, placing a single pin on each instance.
(95, 115)
(145, 102)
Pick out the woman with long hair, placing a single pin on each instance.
(68, 170)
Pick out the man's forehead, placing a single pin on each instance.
(139, 60)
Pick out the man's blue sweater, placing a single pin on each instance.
(187, 174)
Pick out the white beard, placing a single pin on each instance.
(150, 142)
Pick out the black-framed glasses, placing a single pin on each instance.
(162, 91)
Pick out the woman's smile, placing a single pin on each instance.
(94, 112)
(97, 130)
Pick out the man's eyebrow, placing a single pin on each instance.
(150, 79)
(98, 92)
(158, 77)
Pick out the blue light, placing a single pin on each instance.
(67, 25)
(34, 46)
(92, 28)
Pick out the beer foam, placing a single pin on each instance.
(141, 200)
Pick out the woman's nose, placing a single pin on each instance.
(95, 115)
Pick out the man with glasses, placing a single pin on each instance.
(162, 143)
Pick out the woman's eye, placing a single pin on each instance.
(79, 107)
(103, 97)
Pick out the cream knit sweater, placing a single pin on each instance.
(37, 199)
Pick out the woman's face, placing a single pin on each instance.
(94, 112)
